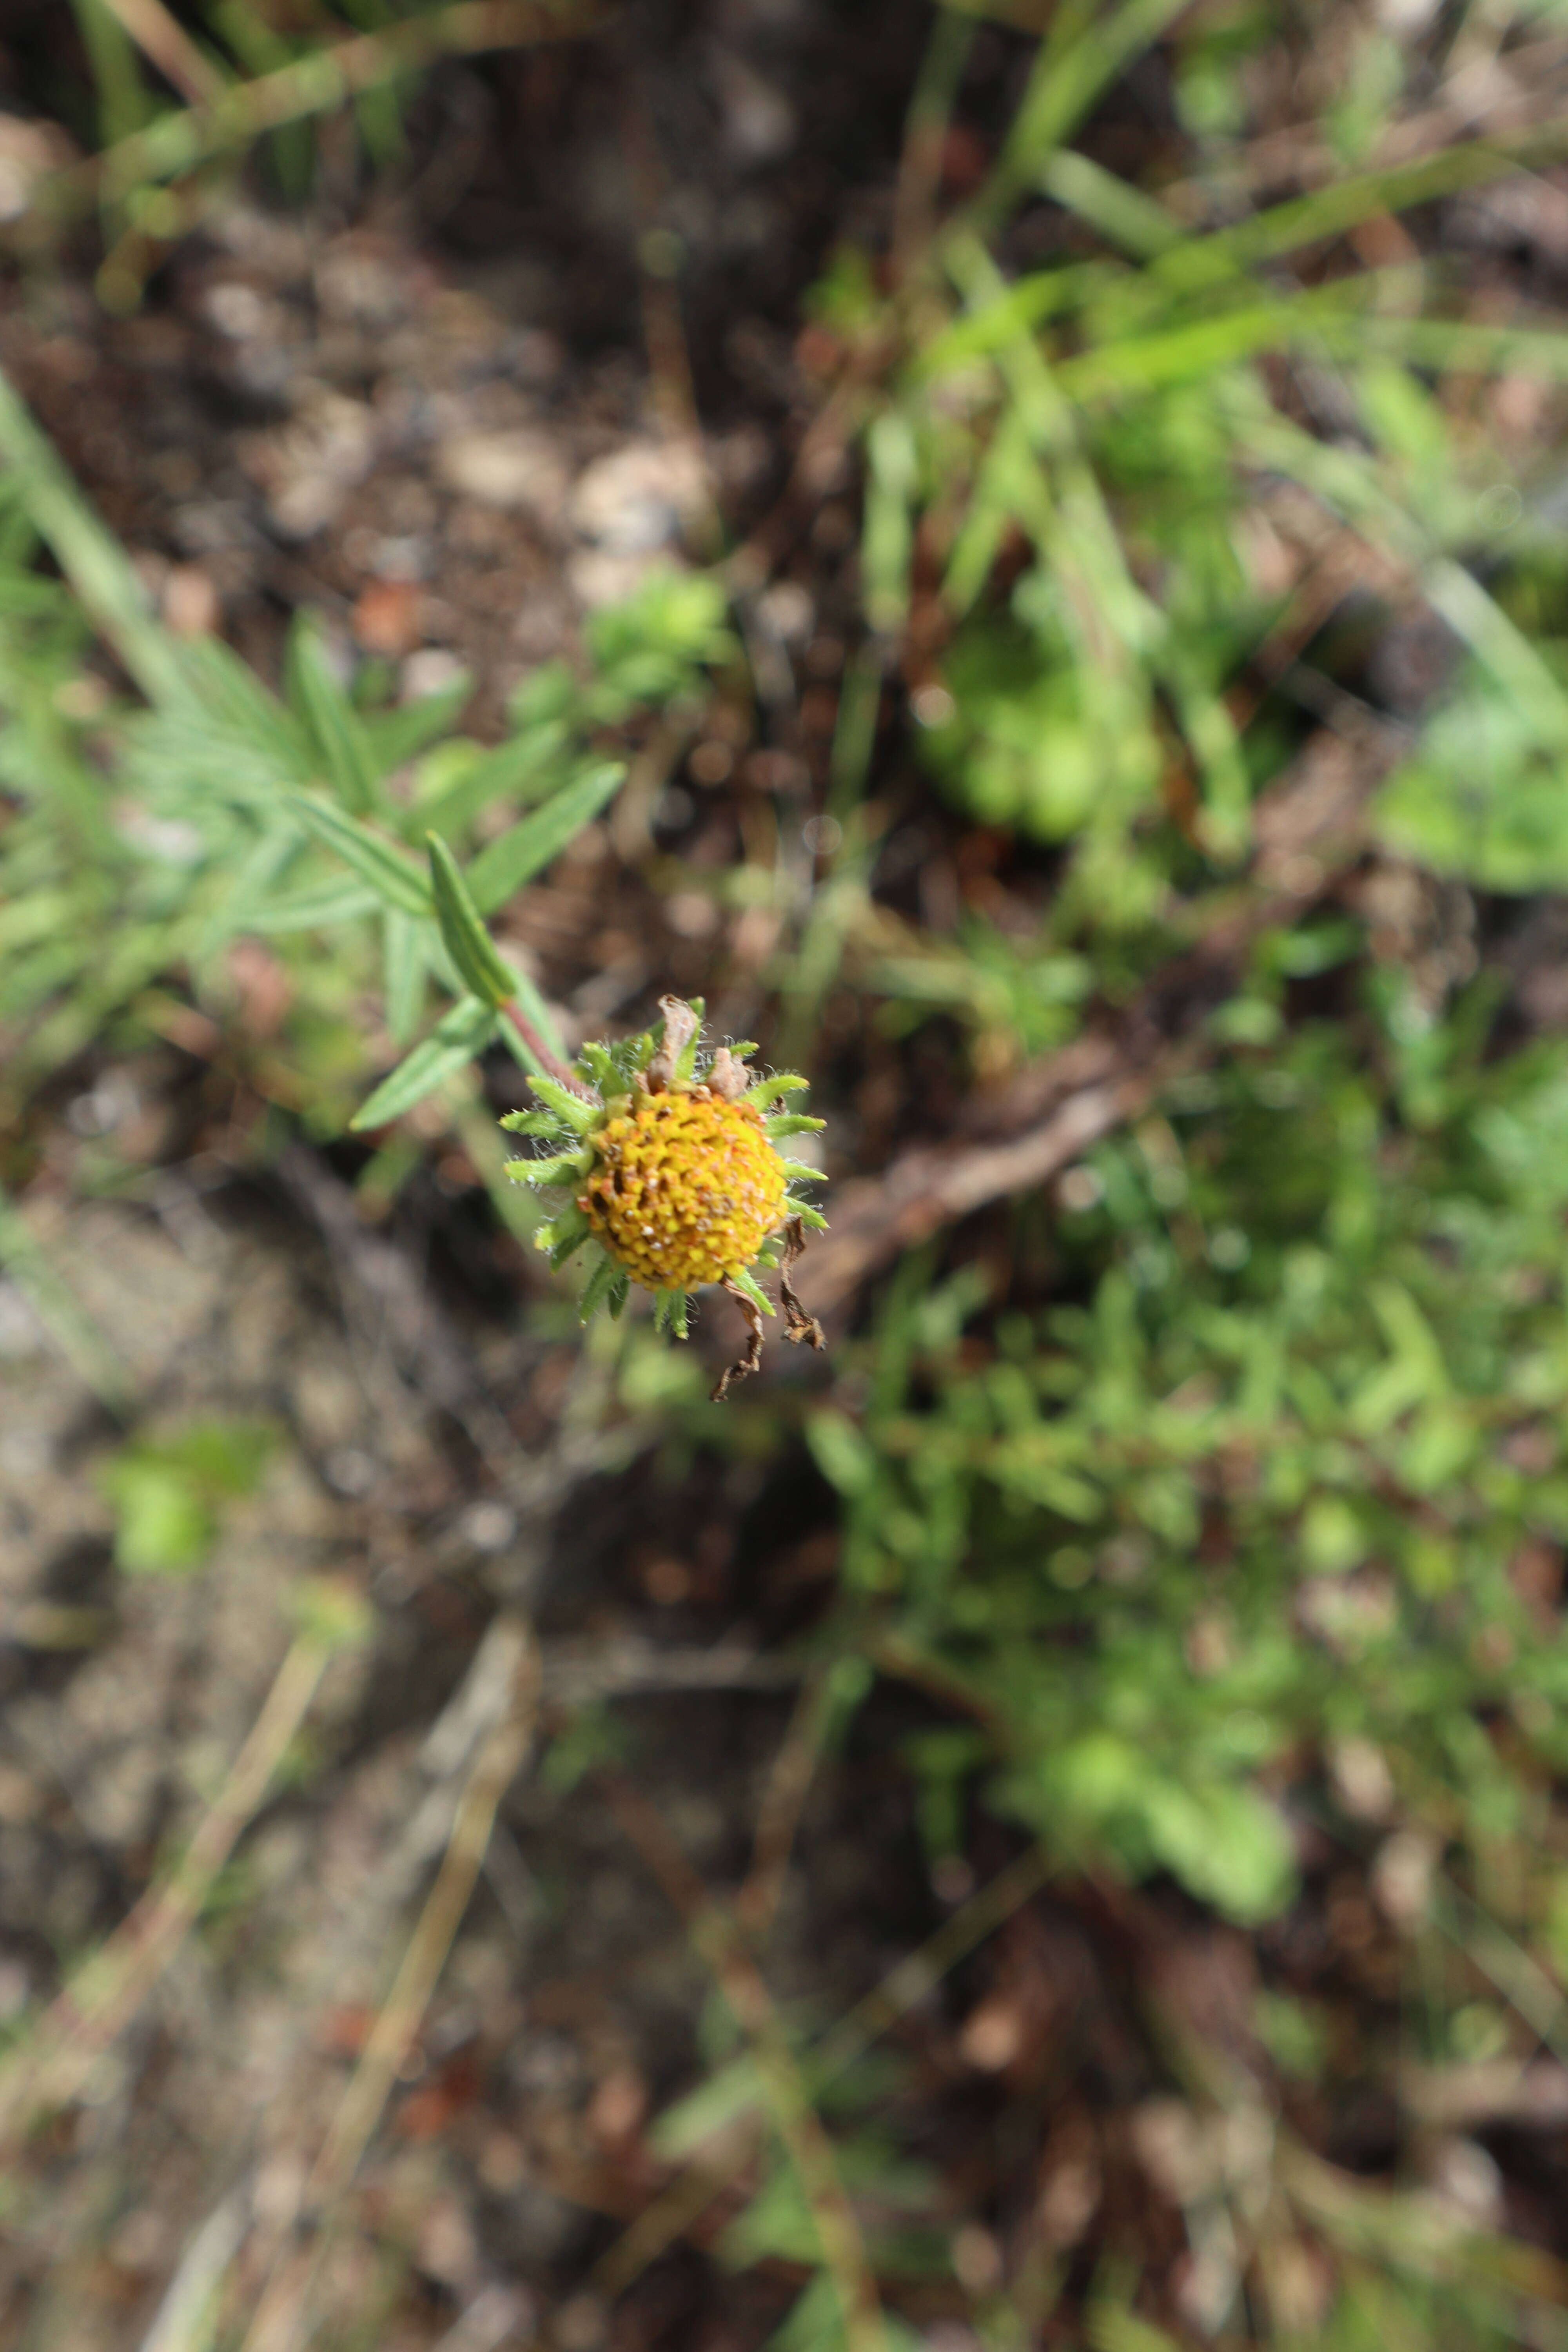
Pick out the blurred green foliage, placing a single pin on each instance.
(1262, 1473)
(167, 1493)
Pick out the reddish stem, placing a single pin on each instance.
(549, 1062)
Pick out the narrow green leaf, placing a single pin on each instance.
(798, 1122)
(452, 1045)
(562, 1168)
(1123, 214)
(334, 726)
(317, 906)
(90, 557)
(398, 735)
(478, 959)
(403, 963)
(530, 845)
(389, 870)
(533, 1008)
(1064, 86)
(522, 768)
(887, 538)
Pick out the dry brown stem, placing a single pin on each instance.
(280, 2317)
(751, 1361)
(783, 1800)
(101, 2001)
(165, 43)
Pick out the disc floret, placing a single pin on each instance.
(676, 1177)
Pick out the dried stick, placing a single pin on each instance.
(717, 1940)
(165, 43)
(100, 2002)
(279, 2322)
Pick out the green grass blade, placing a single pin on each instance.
(1064, 86)
(90, 557)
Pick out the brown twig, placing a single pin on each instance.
(718, 1941)
(101, 2000)
(279, 2317)
(166, 43)
(784, 1802)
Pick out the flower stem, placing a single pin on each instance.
(549, 1062)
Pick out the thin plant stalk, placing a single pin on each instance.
(165, 43)
(281, 2316)
(100, 2002)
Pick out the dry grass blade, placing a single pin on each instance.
(101, 2002)
(718, 1941)
(165, 43)
(905, 1987)
(281, 2317)
(783, 1800)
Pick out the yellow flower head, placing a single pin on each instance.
(676, 1176)
(686, 1187)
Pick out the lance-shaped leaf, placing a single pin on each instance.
(522, 769)
(520, 852)
(314, 907)
(336, 729)
(403, 968)
(390, 871)
(453, 1043)
(402, 733)
(480, 962)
